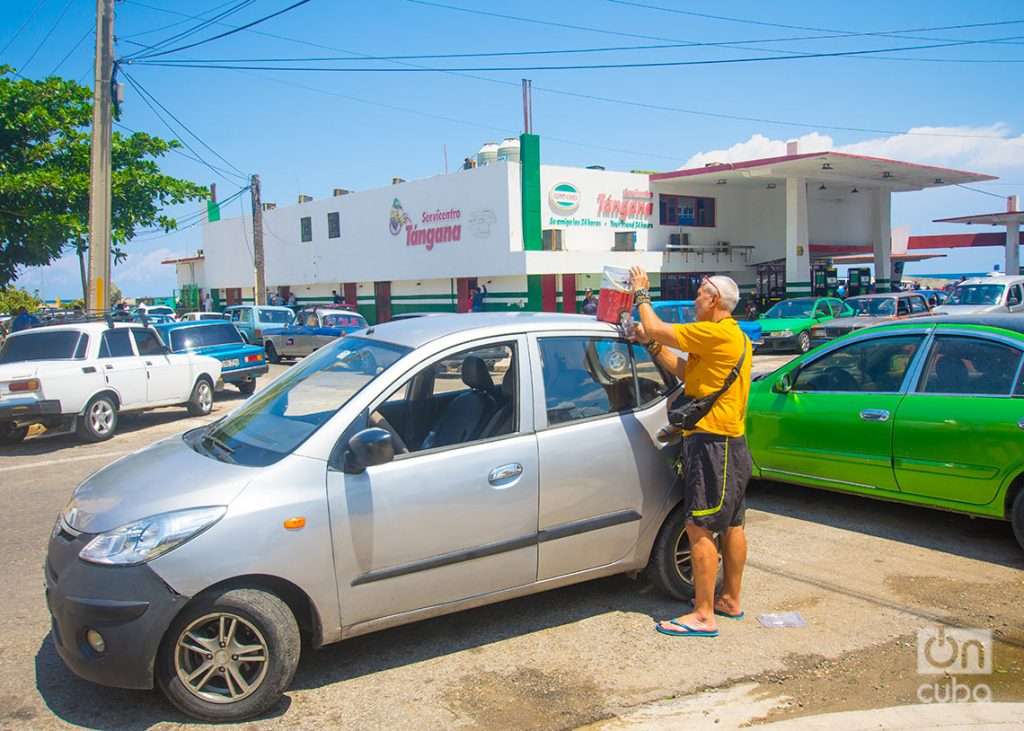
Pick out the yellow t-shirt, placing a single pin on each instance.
(714, 348)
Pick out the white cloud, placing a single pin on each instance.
(992, 148)
(144, 268)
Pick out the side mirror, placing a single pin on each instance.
(367, 448)
(784, 384)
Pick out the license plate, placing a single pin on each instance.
(233, 363)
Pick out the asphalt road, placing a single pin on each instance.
(865, 576)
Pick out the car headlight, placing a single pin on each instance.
(148, 538)
(818, 332)
(785, 333)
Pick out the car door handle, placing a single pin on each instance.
(149, 362)
(505, 472)
(109, 367)
(1020, 424)
(874, 415)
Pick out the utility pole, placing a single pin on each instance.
(99, 178)
(260, 295)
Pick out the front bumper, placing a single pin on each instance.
(238, 375)
(777, 343)
(28, 409)
(128, 605)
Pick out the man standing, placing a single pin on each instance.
(477, 295)
(589, 303)
(336, 298)
(207, 302)
(23, 320)
(716, 461)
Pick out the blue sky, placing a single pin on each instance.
(312, 131)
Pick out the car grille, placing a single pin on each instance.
(835, 332)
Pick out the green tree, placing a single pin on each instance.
(44, 176)
(12, 299)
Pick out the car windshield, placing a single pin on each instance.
(201, 336)
(278, 317)
(870, 306)
(671, 313)
(279, 418)
(59, 345)
(976, 294)
(347, 320)
(791, 308)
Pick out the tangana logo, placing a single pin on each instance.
(398, 219)
(564, 198)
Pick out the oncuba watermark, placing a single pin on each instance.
(951, 652)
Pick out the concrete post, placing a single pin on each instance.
(798, 255)
(1012, 247)
(881, 234)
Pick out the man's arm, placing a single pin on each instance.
(656, 330)
(665, 357)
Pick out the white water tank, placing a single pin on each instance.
(508, 150)
(488, 154)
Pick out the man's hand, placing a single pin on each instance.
(638, 278)
(639, 335)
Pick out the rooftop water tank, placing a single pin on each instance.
(508, 150)
(488, 154)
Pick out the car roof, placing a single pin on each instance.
(673, 303)
(1004, 321)
(98, 326)
(994, 279)
(417, 331)
(879, 295)
(190, 324)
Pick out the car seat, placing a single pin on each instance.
(950, 376)
(465, 416)
(503, 420)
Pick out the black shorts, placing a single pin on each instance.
(717, 470)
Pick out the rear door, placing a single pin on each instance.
(168, 377)
(123, 369)
(602, 473)
(835, 426)
(1015, 298)
(958, 433)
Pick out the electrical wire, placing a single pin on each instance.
(147, 97)
(175, 23)
(230, 177)
(194, 218)
(49, 33)
(201, 26)
(227, 33)
(979, 190)
(88, 31)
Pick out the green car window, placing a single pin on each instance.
(877, 365)
(966, 365)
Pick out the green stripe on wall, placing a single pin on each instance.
(529, 162)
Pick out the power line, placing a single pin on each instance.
(201, 26)
(979, 190)
(29, 19)
(176, 23)
(48, 34)
(227, 33)
(88, 31)
(228, 176)
(147, 97)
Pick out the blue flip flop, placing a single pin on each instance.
(685, 630)
(720, 613)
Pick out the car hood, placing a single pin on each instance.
(774, 324)
(165, 476)
(968, 309)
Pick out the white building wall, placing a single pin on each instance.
(839, 216)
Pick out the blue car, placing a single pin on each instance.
(313, 327)
(253, 320)
(240, 363)
(681, 311)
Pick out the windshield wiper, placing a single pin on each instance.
(219, 443)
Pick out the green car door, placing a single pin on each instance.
(828, 421)
(958, 434)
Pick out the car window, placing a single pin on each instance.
(235, 315)
(918, 305)
(966, 365)
(345, 320)
(464, 397)
(667, 313)
(190, 338)
(146, 342)
(822, 310)
(311, 320)
(652, 381)
(1013, 297)
(278, 317)
(902, 307)
(83, 347)
(585, 377)
(43, 345)
(116, 344)
(976, 294)
(245, 315)
(837, 308)
(875, 365)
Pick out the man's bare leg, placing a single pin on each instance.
(704, 560)
(734, 557)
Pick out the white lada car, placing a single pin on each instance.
(82, 375)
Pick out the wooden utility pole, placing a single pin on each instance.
(99, 182)
(260, 295)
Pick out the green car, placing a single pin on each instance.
(787, 325)
(929, 412)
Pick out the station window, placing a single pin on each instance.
(334, 225)
(306, 228)
(552, 239)
(686, 210)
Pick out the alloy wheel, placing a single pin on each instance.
(205, 396)
(101, 417)
(683, 559)
(221, 658)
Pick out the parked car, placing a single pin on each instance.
(253, 320)
(152, 318)
(926, 411)
(202, 316)
(313, 327)
(682, 311)
(870, 309)
(377, 494)
(981, 295)
(81, 376)
(934, 297)
(153, 311)
(787, 324)
(240, 363)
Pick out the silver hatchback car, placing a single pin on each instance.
(369, 486)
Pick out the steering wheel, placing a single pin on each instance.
(840, 380)
(379, 422)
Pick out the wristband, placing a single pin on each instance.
(653, 347)
(641, 298)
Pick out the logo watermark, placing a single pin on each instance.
(951, 652)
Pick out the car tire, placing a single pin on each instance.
(272, 355)
(12, 434)
(200, 403)
(803, 342)
(251, 618)
(1017, 518)
(247, 388)
(98, 421)
(669, 567)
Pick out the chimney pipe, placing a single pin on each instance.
(341, 191)
(792, 147)
(303, 198)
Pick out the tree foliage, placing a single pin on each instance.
(12, 299)
(44, 175)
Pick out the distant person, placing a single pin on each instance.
(291, 299)
(477, 295)
(337, 298)
(23, 320)
(207, 302)
(589, 303)
(841, 291)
